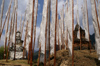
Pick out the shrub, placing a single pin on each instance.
(2, 52)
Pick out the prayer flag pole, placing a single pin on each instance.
(35, 27)
(9, 38)
(29, 54)
(25, 39)
(88, 26)
(23, 24)
(63, 47)
(15, 37)
(1, 16)
(49, 30)
(73, 32)
(97, 17)
(7, 30)
(32, 34)
(20, 23)
(55, 35)
(58, 32)
(39, 56)
(46, 35)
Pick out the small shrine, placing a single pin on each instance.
(19, 48)
(84, 43)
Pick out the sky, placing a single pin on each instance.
(22, 4)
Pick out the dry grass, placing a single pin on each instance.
(81, 58)
(14, 63)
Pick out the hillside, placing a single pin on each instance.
(81, 58)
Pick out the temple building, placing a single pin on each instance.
(84, 42)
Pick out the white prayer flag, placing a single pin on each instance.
(96, 29)
(52, 40)
(42, 27)
(86, 20)
(1, 15)
(70, 37)
(78, 21)
(29, 19)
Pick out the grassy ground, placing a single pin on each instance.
(63, 58)
(15, 63)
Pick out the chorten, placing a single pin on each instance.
(19, 48)
(84, 42)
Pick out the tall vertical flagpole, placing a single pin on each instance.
(49, 30)
(63, 30)
(39, 56)
(4, 23)
(14, 22)
(7, 29)
(25, 39)
(46, 35)
(1, 16)
(88, 26)
(58, 31)
(61, 38)
(23, 24)
(80, 39)
(20, 24)
(67, 40)
(13, 29)
(79, 34)
(32, 33)
(15, 37)
(96, 26)
(16, 7)
(72, 32)
(29, 54)
(9, 38)
(35, 22)
(97, 17)
(55, 35)
(66, 30)
(78, 22)
(45, 42)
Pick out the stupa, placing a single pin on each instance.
(84, 42)
(19, 48)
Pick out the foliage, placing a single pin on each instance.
(1, 52)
